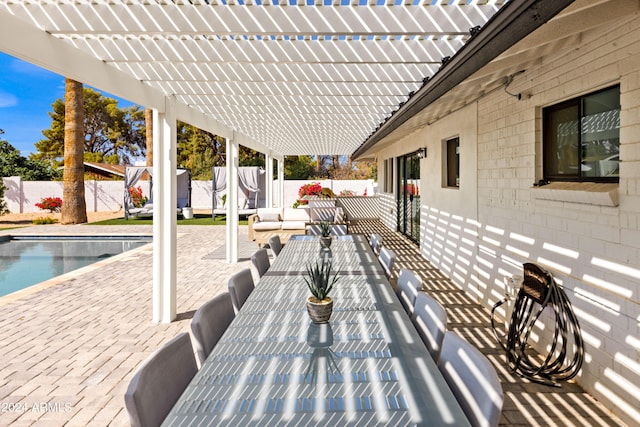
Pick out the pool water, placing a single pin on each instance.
(25, 261)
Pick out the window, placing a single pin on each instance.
(388, 175)
(581, 138)
(452, 151)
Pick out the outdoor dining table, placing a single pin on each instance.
(273, 366)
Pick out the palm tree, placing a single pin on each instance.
(148, 119)
(74, 209)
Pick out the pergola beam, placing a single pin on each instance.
(228, 19)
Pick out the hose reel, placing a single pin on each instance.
(538, 291)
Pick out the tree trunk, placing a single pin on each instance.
(74, 209)
(148, 119)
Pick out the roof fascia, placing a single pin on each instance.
(100, 168)
(509, 25)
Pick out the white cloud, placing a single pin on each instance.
(7, 100)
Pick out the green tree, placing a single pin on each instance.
(249, 157)
(12, 163)
(3, 203)
(108, 130)
(200, 151)
(299, 167)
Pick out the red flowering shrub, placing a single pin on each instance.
(53, 204)
(137, 198)
(311, 189)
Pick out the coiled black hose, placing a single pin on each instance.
(538, 291)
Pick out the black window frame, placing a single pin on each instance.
(549, 134)
(452, 173)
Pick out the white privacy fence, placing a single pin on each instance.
(104, 196)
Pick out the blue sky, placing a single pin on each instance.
(26, 94)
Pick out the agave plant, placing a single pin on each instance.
(325, 229)
(319, 279)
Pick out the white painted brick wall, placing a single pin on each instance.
(592, 249)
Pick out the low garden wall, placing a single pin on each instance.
(108, 196)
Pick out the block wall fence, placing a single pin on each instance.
(108, 196)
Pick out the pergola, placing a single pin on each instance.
(284, 78)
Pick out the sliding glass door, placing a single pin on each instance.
(409, 196)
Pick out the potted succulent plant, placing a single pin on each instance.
(325, 234)
(320, 283)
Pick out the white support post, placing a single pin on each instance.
(269, 180)
(232, 200)
(281, 182)
(164, 215)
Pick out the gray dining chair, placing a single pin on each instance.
(409, 284)
(159, 381)
(472, 379)
(260, 261)
(240, 287)
(387, 258)
(209, 323)
(275, 244)
(430, 319)
(375, 241)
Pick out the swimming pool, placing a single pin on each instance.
(25, 261)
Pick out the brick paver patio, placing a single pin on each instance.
(70, 349)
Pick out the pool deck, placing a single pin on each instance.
(70, 348)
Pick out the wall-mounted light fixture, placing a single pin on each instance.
(422, 153)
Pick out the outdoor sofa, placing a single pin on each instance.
(287, 222)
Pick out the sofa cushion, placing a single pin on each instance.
(269, 217)
(296, 214)
(293, 225)
(267, 225)
(269, 214)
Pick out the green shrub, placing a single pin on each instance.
(44, 220)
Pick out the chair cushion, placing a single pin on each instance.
(267, 225)
(296, 214)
